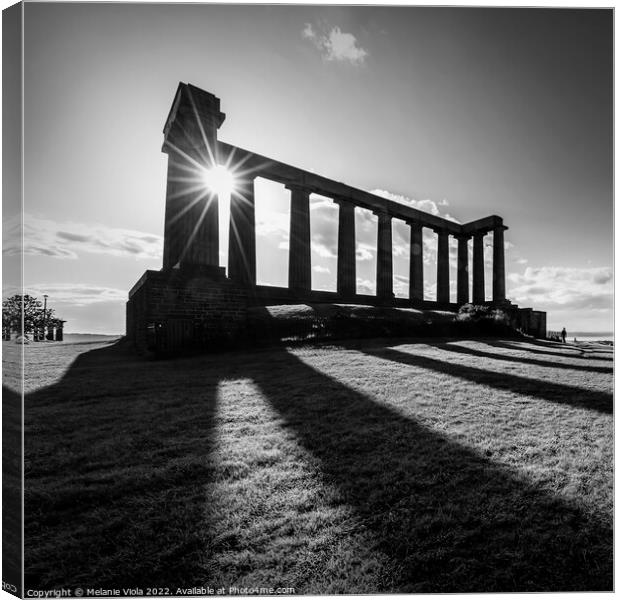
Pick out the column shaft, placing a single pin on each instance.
(384, 256)
(499, 273)
(346, 283)
(443, 267)
(191, 218)
(191, 228)
(478, 275)
(416, 264)
(299, 267)
(242, 235)
(462, 283)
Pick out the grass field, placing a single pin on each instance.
(376, 466)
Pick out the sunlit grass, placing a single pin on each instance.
(371, 467)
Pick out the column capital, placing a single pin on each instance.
(414, 223)
(381, 211)
(298, 187)
(500, 228)
(463, 236)
(343, 200)
(440, 230)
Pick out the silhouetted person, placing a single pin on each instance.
(563, 334)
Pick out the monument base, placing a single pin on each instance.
(198, 308)
(183, 309)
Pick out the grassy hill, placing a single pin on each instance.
(378, 465)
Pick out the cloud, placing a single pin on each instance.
(563, 288)
(365, 286)
(76, 294)
(64, 240)
(317, 201)
(336, 45)
(308, 32)
(401, 285)
(365, 252)
(320, 269)
(426, 205)
(323, 249)
(275, 224)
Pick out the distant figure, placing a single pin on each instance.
(564, 335)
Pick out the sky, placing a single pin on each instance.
(462, 112)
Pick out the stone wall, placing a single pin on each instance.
(182, 309)
(173, 310)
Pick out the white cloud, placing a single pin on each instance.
(277, 223)
(324, 250)
(336, 45)
(317, 201)
(365, 252)
(401, 285)
(77, 294)
(308, 32)
(365, 286)
(426, 205)
(563, 288)
(320, 269)
(64, 240)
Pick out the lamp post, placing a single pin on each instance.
(44, 315)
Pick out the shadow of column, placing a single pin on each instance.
(551, 363)
(117, 456)
(552, 392)
(547, 349)
(444, 517)
(12, 472)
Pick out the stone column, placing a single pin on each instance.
(416, 263)
(443, 266)
(346, 283)
(299, 266)
(462, 282)
(478, 275)
(384, 256)
(242, 234)
(191, 229)
(499, 272)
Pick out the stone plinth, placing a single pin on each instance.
(179, 310)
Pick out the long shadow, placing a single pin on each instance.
(11, 488)
(552, 392)
(117, 456)
(523, 360)
(444, 518)
(530, 343)
(118, 453)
